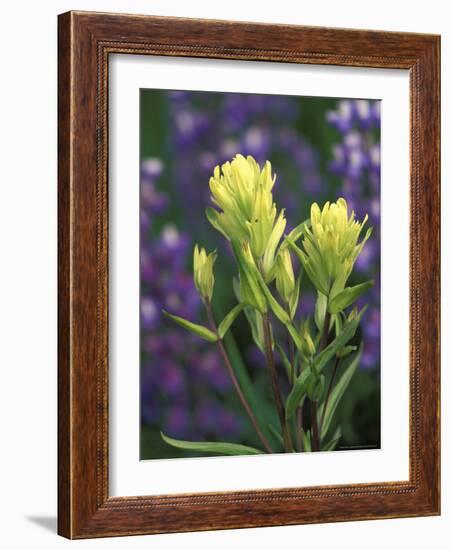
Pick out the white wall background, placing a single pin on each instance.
(28, 270)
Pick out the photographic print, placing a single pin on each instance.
(220, 264)
(259, 274)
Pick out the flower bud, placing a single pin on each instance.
(308, 347)
(352, 315)
(203, 272)
(346, 350)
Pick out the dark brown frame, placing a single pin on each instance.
(85, 41)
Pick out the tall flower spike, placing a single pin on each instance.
(331, 246)
(203, 272)
(243, 193)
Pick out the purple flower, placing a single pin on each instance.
(175, 364)
(356, 160)
(211, 371)
(150, 312)
(361, 113)
(177, 422)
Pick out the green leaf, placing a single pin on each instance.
(250, 288)
(297, 394)
(275, 306)
(348, 370)
(298, 231)
(337, 319)
(347, 296)
(296, 337)
(256, 399)
(276, 434)
(212, 215)
(229, 319)
(307, 441)
(236, 289)
(320, 310)
(211, 447)
(253, 317)
(268, 260)
(315, 386)
(285, 361)
(293, 303)
(333, 441)
(312, 267)
(346, 350)
(199, 330)
(255, 321)
(299, 388)
(338, 343)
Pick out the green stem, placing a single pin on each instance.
(233, 377)
(291, 357)
(322, 346)
(275, 385)
(299, 429)
(328, 393)
(299, 418)
(325, 331)
(315, 428)
(299, 411)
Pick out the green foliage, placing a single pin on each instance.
(298, 393)
(229, 319)
(285, 360)
(199, 330)
(255, 322)
(253, 392)
(348, 296)
(307, 441)
(320, 310)
(250, 289)
(315, 386)
(275, 432)
(297, 232)
(296, 337)
(219, 448)
(300, 387)
(275, 306)
(293, 302)
(348, 370)
(338, 343)
(332, 443)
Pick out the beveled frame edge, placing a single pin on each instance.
(85, 41)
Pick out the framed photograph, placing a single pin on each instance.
(248, 275)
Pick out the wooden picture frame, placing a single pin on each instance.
(85, 42)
